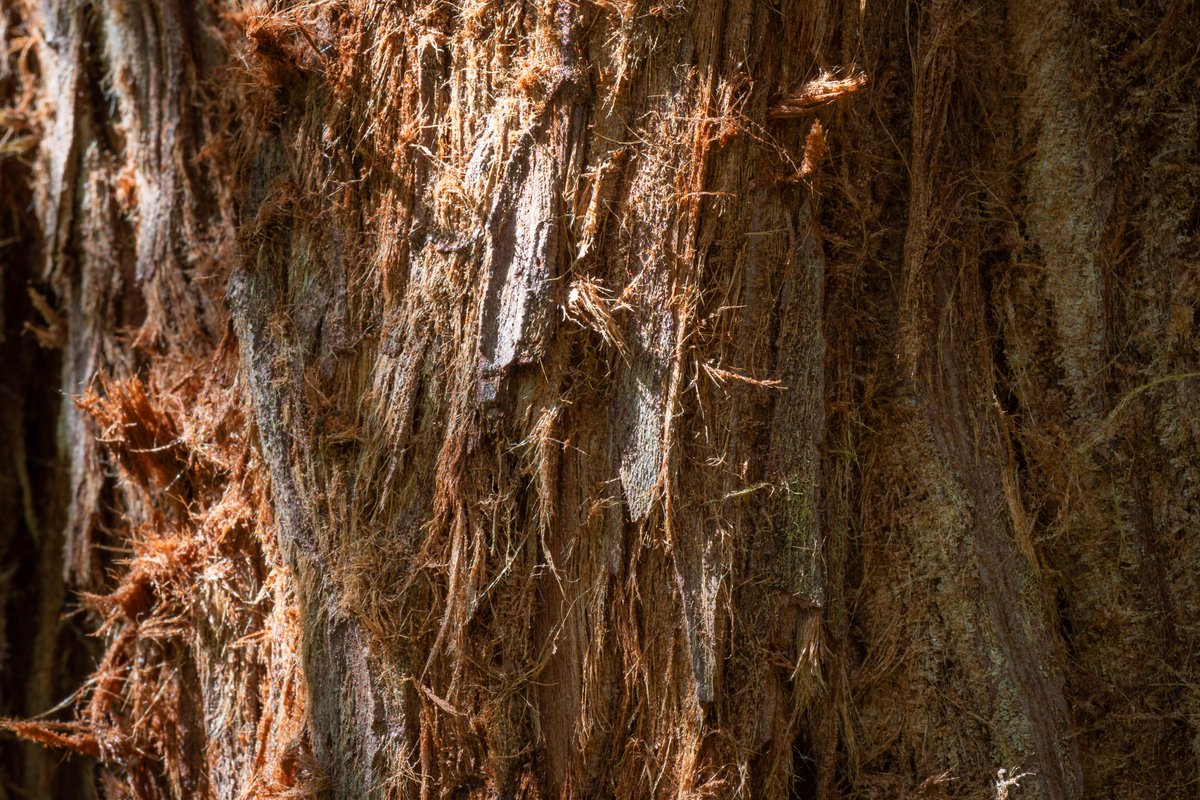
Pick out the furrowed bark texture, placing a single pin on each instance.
(603, 399)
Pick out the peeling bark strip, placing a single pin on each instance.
(641, 399)
(523, 222)
(148, 46)
(522, 241)
(249, 297)
(699, 575)
(798, 424)
(520, 262)
(641, 412)
(61, 59)
(791, 502)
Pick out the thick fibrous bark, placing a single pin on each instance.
(605, 399)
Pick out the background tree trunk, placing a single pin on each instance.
(601, 398)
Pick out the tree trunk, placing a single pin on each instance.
(600, 398)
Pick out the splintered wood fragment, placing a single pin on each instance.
(720, 375)
(821, 91)
(814, 149)
(590, 306)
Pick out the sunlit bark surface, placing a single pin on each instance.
(600, 398)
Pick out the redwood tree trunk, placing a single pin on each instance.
(601, 398)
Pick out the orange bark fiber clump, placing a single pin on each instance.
(611, 398)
